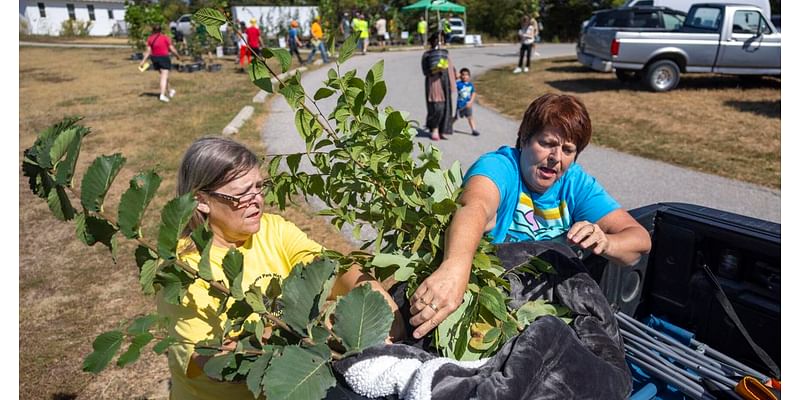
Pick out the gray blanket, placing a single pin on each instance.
(548, 360)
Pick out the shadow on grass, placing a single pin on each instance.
(572, 69)
(769, 109)
(563, 60)
(64, 396)
(149, 94)
(688, 83)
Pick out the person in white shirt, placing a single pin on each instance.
(380, 28)
(527, 35)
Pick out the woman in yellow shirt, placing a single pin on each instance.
(225, 177)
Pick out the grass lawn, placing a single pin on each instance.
(717, 124)
(70, 293)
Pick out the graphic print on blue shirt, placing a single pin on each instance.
(523, 215)
(465, 90)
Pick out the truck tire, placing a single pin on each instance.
(627, 75)
(662, 76)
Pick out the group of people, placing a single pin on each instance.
(440, 83)
(533, 190)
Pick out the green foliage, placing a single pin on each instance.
(362, 319)
(134, 202)
(98, 180)
(299, 373)
(72, 28)
(105, 347)
(140, 18)
(174, 219)
(305, 291)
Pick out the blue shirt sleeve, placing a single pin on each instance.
(591, 202)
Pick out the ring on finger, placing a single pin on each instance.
(432, 305)
(593, 229)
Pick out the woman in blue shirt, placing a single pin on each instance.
(534, 191)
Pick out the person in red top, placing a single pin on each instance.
(254, 37)
(158, 48)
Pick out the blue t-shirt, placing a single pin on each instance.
(524, 215)
(292, 35)
(465, 91)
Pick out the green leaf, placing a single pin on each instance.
(283, 55)
(377, 93)
(363, 319)
(346, 51)
(532, 310)
(163, 344)
(142, 324)
(377, 71)
(134, 202)
(147, 261)
(257, 370)
(91, 230)
(293, 91)
(232, 265)
(436, 180)
(395, 123)
(174, 282)
(259, 75)
(383, 260)
(293, 161)
(104, 347)
(98, 180)
(298, 374)
(65, 168)
(214, 366)
(491, 299)
(59, 204)
(323, 93)
(202, 238)
(135, 349)
(302, 294)
(174, 218)
(254, 300)
(212, 20)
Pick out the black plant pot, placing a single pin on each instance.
(137, 56)
(214, 68)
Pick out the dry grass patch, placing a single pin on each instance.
(70, 293)
(723, 125)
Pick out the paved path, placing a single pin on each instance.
(632, 180)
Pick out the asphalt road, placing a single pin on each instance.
(633, 181)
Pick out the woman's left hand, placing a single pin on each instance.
(588, 236)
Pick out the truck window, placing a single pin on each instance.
(673, 22)
(706, 18)
(749, 23)
(645, 19)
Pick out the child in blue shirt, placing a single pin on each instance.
(466, 96)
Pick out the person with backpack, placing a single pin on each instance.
(317, 41)
(158, 49)
(440, 82)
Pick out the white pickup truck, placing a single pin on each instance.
(719, 38)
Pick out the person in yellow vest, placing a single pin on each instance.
(422, 30)
(317, 41)
(225, 179)
(360, 25)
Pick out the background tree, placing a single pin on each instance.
(140, 17)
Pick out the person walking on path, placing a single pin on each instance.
(538, 26)
(158, 48)
(361, 26)
(254, 37)
(293, 38)
(444, 27)
(244, 54)
(317, 42)
(527, 34)
(440, 81)
(345, 26)
(380, 30)
(422, 30)
(466, 96)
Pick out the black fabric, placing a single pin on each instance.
(440, 114)
(549, 359)
(525, 49)
(161, 62)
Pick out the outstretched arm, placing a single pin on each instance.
(443, 291)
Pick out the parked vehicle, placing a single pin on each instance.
(720, 38)
(459, 30)
(184, 24)
(593, 44)
(685, 5)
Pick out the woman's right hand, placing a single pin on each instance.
(438, 296)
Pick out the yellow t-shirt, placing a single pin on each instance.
(316, 30)
(361, 25)
(273, 250)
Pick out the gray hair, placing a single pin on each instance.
(210, 163)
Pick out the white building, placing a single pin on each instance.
(44, 17)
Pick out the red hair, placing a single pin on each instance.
(557, 111)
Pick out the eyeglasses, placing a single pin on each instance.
(236, 201)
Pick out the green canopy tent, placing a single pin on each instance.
(438, 6)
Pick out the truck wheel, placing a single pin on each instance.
(626, 75)
(662, 76)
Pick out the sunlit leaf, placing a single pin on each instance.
(257, 370)
(363, 319)
(346, 51)
(259, 75)
(298, 374)
(283, 56)
(232, 265)
(163, 345)
(142, 324)
(97, 180)
(174, 217)
(212, 20)
(491, 298)
(202, 238)
(104, 348)
(135, 201)
(135, 349)
(147, 261)
(303, 290)
(59, 204)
